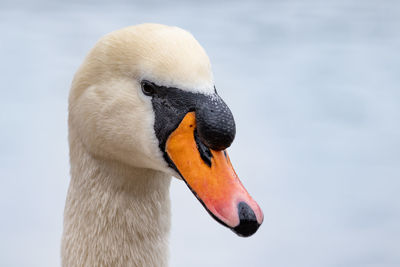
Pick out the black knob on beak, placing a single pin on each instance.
(215, 124)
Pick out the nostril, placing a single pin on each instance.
(248, 221)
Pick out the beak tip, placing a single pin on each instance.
(248, 224)
(246, 229)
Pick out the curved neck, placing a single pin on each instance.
(115, 215)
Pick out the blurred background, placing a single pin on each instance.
(315, 90)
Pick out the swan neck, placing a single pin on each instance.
(115, 214)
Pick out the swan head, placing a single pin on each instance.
(145, 96)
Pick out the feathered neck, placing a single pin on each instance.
(115, 215)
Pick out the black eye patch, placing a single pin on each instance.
(215, 123)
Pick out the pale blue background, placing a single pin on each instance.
(315, 90)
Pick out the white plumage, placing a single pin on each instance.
(117, 211)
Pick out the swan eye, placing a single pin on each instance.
(147, 88)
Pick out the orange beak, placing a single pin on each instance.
(213, 182)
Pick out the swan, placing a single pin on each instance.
(143, 108)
